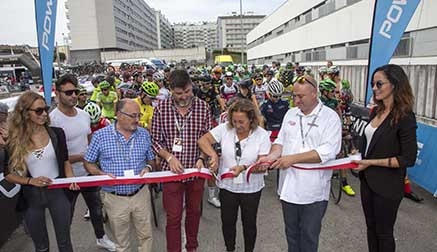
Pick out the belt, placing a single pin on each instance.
(128, 194)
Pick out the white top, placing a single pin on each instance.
(257, 143)
(43, 162)
(302, 186)
(368, 132)
(76, 128)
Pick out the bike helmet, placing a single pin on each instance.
(229, 74)
(334, 70)
(82, 89)
(104, 85)
(158, 76)
(327, 85)
(150, 88)
(94, 111)
(217, 69)
(246, 83)
(275, 88)
(323, 70)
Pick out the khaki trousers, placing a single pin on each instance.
(121, 210)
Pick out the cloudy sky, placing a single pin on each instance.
(17, 25)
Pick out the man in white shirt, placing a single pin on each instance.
(76, 125)
(310, 133)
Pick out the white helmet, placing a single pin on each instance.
(275, 87)
(94, 111)
(158, 76)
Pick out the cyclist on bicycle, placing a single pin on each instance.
(148, 93)
(107, 100)
(97, 121)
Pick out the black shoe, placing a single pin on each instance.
(414, 197)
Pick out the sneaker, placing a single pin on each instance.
(214, 201)
(87, 215)
(348, 190)
(105, 243)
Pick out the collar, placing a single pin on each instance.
(314, 112)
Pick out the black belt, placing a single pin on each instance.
(127, 194)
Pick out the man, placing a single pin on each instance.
(107, 100)
(310, 133)
(177, 124)
(82, 99)
(76, 125)
(124, 149)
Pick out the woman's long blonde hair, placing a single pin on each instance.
(21, 129)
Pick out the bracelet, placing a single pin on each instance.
(149, 167)
(169, 158)
(389, 162)
(28, 181)
(201, 158)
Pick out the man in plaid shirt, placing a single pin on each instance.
(177, 124)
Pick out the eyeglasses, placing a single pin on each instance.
(229, 78)
(82, 94)
(39, 111)
(237, 148)
(302, 80)
(259, 79)
(105, 89)
(133, 116)
(378, 84)
(276, 96)
(70, 92)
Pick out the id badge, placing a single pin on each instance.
(177, 145)
(239, 179)
(129, 173)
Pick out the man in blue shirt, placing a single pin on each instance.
(124, 149)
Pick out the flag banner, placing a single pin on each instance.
(45, 14)
(390, 19)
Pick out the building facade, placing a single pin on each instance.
(232, 30)
(99, 25)
(164, 31)
(187, 35)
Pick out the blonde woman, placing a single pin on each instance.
(37, 154)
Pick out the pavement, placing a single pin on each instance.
(343, 228)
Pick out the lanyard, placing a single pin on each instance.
(310, 124)
(120, 147)
(178, 126)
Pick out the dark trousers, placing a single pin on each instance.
(172, 198)
(35, 218)
(303, 224)
(230, 202)
(91, 195)
(380, 216)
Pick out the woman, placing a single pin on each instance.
(38, 154)
(389, 146)
(250, 142)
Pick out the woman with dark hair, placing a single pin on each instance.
(38, 153)
(389, 146)
(250, 142)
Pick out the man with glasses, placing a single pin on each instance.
(229, 89)
(259, 89)
(148, 93)
(124, 149)
(310, 133)
(76, 125)
(82, 99)
(177, 124)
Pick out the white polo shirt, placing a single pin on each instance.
(257, 143)
(324, 136)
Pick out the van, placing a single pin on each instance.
(224, 60)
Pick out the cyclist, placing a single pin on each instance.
(149, 91)
(97, 121)
(163, 93)
(229, 89)
(107, 100)
(82, 99)
(210, 95)
(217, 80)
(259, 89)
(245, 92)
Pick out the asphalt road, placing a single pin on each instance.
(343, 227)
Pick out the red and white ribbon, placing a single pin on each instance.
(148, 178)
(337, 164)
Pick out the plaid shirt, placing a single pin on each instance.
(116, 154)
(196, 123)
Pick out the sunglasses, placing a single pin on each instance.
(39, 111)
(378, 84)
(133, 116)
(237, 148)
(82, 94)
(70, 92)
(105, 89)
(276, 96)
(229, 78)
(258, 79)
(302, 80)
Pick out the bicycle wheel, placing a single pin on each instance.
(336, 186)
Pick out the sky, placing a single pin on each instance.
(17, 25)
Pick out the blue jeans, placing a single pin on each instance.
(303, 224)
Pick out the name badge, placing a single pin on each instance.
(129, 173)
(177, 145)
(239, 179)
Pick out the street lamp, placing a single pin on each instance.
(242, 30)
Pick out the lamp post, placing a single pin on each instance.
(242, 31)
